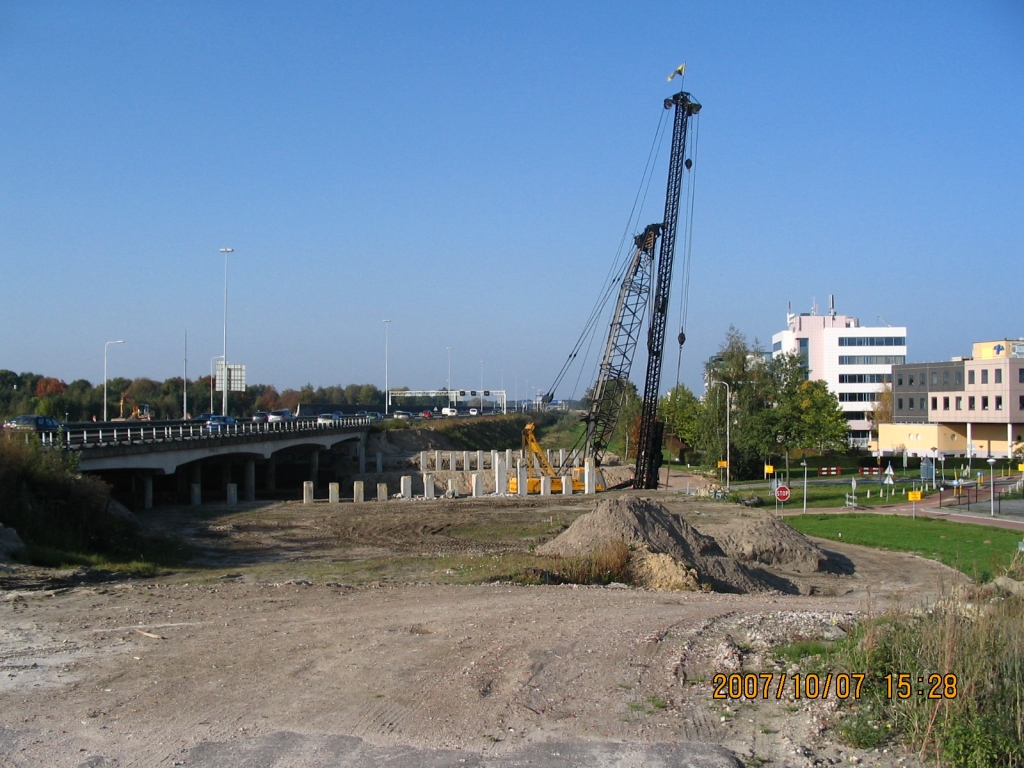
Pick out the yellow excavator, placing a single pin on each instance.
(139, 412)
(531, 449)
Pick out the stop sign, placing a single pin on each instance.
(782, 493)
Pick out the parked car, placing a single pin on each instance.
(32, 423)
(401, 415)
(280, 415)
(260, 417)
(220, 423)
(329, 418)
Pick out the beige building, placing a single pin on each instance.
(969, 406)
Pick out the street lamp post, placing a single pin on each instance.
(224, 402)
(449, 372)
(121, 341)
(728, 419)
(215, 357)
(803, 464)
(992, 486)
(481, 387)
(387, 394)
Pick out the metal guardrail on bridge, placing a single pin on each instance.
(140, 433)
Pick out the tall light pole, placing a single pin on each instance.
(728, 419)
(224, 402)
(449, 372)
(481, 387)
(803, 464)
(992, 486)
(387, 397)
(105, 375)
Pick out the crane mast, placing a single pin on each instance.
(623, 336)
(648, 458)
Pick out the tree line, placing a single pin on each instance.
(82, 400)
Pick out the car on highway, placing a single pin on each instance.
(32, 423)
(329, 418)
(260, 417)
(374, 416)
(282, 414)
(220, 423)
(474, 412)
(203, 417)
(401, 415)
(426, 415)
(449, 411)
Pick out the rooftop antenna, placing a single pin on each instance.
(882, 321)
(831, 305)
(814, 306)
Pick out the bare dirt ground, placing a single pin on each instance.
(349, 635)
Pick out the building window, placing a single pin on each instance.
(945, 403)
(935, 403)
(777, 346)
(970, 403)
(922, 404)
(1020, 376)
(899, 403)
(945, 378)
(872, 341)
(935, 379)
(1022, 398)
(899, 378)
(960, 378)
(910, 380)
(872, 359)
(959, 403)
(910, 403)
(999, 375)
(984, 402)
(999, 402)
(970, 377)
(984, 375)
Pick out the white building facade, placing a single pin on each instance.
(855, 361)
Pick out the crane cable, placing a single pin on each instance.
(619, 265)
(684, 303)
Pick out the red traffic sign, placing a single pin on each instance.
(782, 493)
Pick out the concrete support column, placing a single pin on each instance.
(406, 486)
(549, 453)
(357, 492)
(589, 478)
(545, 485)
(479, 461)
(232, 494)
(453, 462)
(424, 461)
(576, 460)
(453, 489)
(567, 485)
(196, 494)
(361, 453)
(561, 458)
(147, 491)
(314, 468)
(465, 461)
(438, 461)
(272, 473)
(428, 485)
(382, 491)
(380, 462)
(494, 459)
(500, 478)
(477, 484)
(225, 475)
(508, 458)
(970, 448)
(333, 493)
(195, 474)
(249, 485)
(307, 492)
(520, 478)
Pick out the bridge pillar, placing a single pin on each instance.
(479, 461)
(545, 485)
(357, 491)
(561, 458)
(465, 461)
(494, 460)
(333, 493)
(567, 485)
(438, 461)
(428, 485)
(147, 491)
(382, 491)
(508, 458)
(406, 486)
(520, 478)
(272, 473)
(314, 468)
(424, 461)
(380, 462)
(361, 451)
(249, 486)
(500, 480)
(477, 484)
(225, 475)
(195, 475)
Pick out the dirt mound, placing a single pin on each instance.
(659, 571)
(766, 540)
(648, 526)
(413, 440)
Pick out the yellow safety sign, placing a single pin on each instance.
(769, 469)
(913, 495)
(723, 464)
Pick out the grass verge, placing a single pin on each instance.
(976, 550)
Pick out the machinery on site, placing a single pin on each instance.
(537, 465)
(138, 412)
(634, 297)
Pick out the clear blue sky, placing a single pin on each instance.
(466, 170)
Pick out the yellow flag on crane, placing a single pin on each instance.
(680, 70)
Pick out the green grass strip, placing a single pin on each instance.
(979, 551)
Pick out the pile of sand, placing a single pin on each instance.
(649, 528)
(764, 539)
